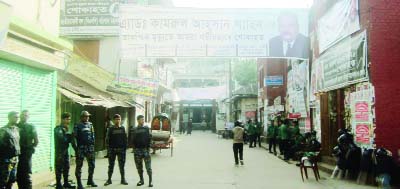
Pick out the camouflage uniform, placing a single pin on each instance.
(140, 138)
(116, 139)
(84, 147)
(28, 134)
(62, 139)
(9, 144)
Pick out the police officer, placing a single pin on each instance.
(116, 139)
(141, 139)
(28, 141)
(10, 149)
(62, 139)
(84, 147)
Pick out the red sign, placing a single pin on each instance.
(362, 133)
(362, 111)
(294, 115)
(251, 114)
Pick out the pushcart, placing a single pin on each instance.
(161, 131)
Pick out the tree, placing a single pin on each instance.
(245, 72)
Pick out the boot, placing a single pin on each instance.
(66, 183)
(108, 182)
(58, 182)
(150, 180)
(79, 182)
(90, 181)
(141, 182)
(123, 181)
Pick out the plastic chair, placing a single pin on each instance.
(305, 164)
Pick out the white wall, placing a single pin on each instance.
(43, 13)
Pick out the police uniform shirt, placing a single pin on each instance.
(116, 137)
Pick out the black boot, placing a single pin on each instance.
(79, 182)
(108, 182)
(123, 181)
(66, 183)
(58, 182)
(90, 181)
(141, 182)
(150, 180)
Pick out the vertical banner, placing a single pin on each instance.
(297, 88)
(5, 16)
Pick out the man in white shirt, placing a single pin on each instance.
(238, 132)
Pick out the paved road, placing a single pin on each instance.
(205, 161)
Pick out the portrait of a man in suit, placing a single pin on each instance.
(290, 42)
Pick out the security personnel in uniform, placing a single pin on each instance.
(28, 141)
(62, 139)
(84, 147)
(10, 149)
(141, 139)
(116, 139)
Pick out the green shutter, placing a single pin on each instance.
(35, 91)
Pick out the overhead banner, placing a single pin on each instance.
(5, 16)
(344, 64)
(297, 88)
(189, 32)
(339, 22)
(135, 86)
(89, 17)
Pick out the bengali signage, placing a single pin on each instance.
(338, 22)
(89, 17)
(189, 32)
(362, 133)
(136, 86)
(343, 64)
(5, 16)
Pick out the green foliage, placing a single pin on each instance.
(245, 71)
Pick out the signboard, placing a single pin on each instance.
(5, 16)
(339, 22)
(190, 32)
(275, 80)
(89, 17)
(342, 65)
(136, 86)
(362, 111)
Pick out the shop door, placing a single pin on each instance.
(325, 136)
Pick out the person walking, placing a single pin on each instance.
(84, 148)
(251, 133)
(10, 150)
(28, 142)
(238, 133)
(141, 140)
(62, 140)
(272, 134)
(116, 140)
(259, 131)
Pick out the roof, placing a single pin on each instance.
(247, 90)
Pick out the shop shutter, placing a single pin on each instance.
(10, 90)
(39, 98)
(24, 87)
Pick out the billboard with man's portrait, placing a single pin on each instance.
(190, 32)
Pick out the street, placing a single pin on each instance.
(205, 161)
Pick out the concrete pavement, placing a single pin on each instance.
(204, 161)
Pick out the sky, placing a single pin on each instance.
(244, 3)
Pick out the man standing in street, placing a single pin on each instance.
(284, 134)
(238, 133)
(141, 140)
(10, 150)
(116, 140)
(28, 142)
(84, 147)
(252, 133)
(189, 127)
(272, 136)
(62, 140)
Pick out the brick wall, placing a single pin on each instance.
(384, 53)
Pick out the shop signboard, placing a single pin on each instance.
(191, 32)
(362, 133)
(343, 64)
(341, 20)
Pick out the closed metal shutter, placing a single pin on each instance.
(36, 93)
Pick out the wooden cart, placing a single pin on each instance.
(161, 131)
